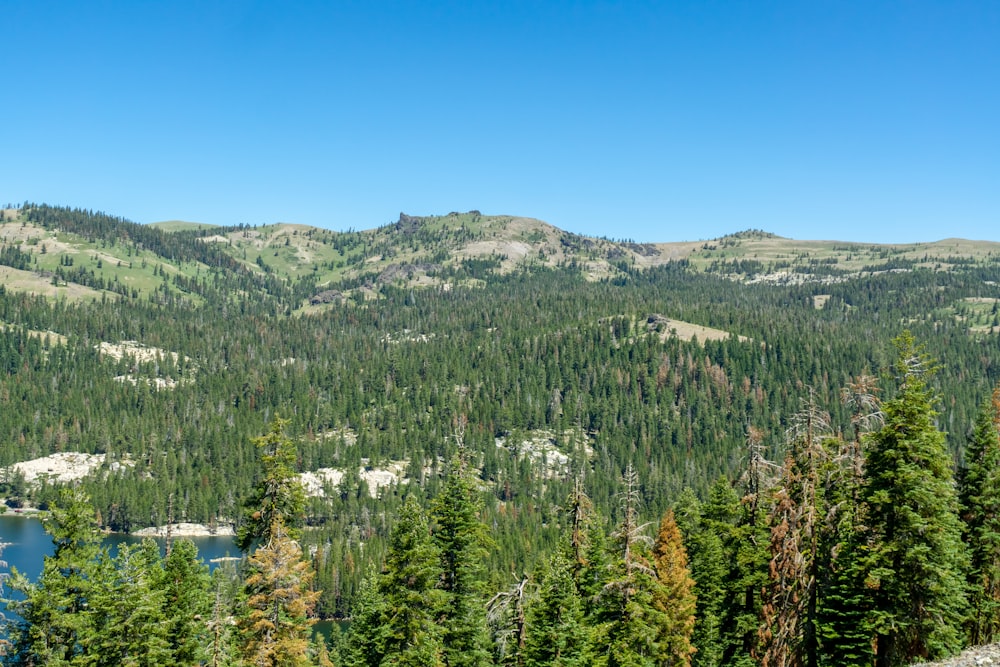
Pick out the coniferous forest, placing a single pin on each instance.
(580, 479)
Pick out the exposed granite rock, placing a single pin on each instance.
(326, 296)
(978, 656)
(644, 249)
(394, 271)
(408, 224)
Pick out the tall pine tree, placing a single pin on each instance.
(674, 597)
(53, 627)
(842, 609)
(916, 560)
(703, 539)
(275, 628)
(980, 500)
(789, 635)
(412, 601)
(461, 539)
(278, 499)
(556, 635)
(630, 618)
(747, 551)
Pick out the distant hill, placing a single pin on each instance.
(319, 266)
(180, 225)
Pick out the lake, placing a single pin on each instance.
(27, 543)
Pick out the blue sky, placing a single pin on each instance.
(866, 121)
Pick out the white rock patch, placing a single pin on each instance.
(186, 530)
(376, 478)
(61, 467)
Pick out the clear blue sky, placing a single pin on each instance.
(868, 121)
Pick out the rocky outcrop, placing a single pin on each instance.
(406, 271)
(326, 296)
(408, 224)
(978, 656)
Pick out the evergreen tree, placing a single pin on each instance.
(53, 627)
(631, 621)
(364, 645)
(223, 648)
(916, 561)
(703, 539)
(844, 634)
(126, 607)
(556, 634)
(980, 502)
(278, 499)
(789, 635)
(279, 598)
(461, 540)
(275, 628)
(747, 551)
(843, 607)
(410, 634)
(674, 597)
(586, 548)
(186, 604)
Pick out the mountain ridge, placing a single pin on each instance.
(318, 266)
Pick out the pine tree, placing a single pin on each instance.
(364, 645)
(844, 602)
(674, 597)
(275, 626)
(126, 606)
(916, 560)
(747, 551)
(703, 539)
(586, 548)
(278, 499)
(186, 604)
(461, 540)
(53, 627)
(789, 635)
(506, 616)
(844, 635)
(407, 585)
(980, 502)
(556, 635)
(630, 619)
(279, 602)
(226, 591)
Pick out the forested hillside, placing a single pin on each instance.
(557, 362)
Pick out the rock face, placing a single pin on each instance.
(979, 656)
(657, 322)
(408, 224)
(61, 467)
(326, 296)
(394, 271)
(186, 530)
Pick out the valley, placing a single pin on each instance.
(553, 362)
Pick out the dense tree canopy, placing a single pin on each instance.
(562, 383)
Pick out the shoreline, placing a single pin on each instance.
(180, 529)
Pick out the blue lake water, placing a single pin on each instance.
(27, 544)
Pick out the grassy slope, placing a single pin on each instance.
(413, 251)
(181, 225)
